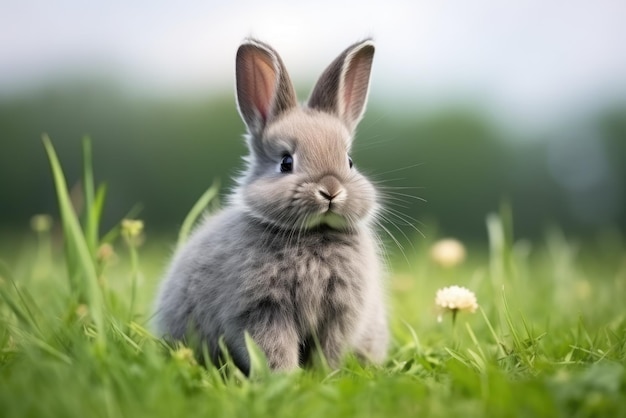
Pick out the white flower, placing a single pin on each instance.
(455, 299)
(448, 252)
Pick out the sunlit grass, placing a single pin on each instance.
(548, 338)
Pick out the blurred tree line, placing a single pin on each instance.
(162, 153)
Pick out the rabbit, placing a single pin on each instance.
(293, 259)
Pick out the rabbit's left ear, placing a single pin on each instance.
(264, 90)
(343, 87)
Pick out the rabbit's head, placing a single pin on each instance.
(300, 174)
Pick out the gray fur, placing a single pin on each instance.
(293, 258)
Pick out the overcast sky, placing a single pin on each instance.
(532, 57)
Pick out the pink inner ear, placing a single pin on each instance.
(348, 94)
(356, 82)
(263, 81)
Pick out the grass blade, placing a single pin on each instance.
(258, 361)
(84, 269)
(196, 211)
(90, 220)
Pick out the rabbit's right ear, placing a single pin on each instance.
(264, 90)
(342, 88)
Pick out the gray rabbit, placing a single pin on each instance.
(293, 259)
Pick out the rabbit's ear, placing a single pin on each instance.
(342, 88)
(264, 89)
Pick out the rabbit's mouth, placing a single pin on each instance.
(328, 218)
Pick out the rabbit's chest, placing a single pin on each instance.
(318, 280)
(325, 285)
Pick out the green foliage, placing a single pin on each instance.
(549, 338)
(163, 152)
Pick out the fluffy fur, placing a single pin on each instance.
(293, 259)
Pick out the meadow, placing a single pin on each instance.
(548, 338)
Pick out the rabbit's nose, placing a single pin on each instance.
(330, 188)
(328, 196)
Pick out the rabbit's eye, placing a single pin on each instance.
(286, 164)
(350, 163)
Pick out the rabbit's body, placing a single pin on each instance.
(293, 259)
(285, 291)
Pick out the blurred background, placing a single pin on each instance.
(472, 104)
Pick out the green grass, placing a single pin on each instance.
(549, 338)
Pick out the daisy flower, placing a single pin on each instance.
(454, 299)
